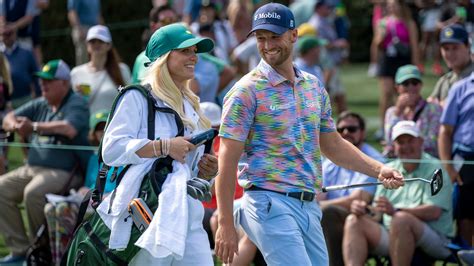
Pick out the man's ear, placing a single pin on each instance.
(294, 35)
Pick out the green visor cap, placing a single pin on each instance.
(407, 72)
(175, 36)
(98, 117)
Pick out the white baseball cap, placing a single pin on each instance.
(212, 111)
(405, 127)
(99, 32)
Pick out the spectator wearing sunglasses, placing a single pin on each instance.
(336, 204)
(410, 105)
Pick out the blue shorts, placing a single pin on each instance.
(286, 230)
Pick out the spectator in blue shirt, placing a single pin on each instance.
(22, 67)
(456, 142)
(336, 204)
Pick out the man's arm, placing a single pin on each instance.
(226, 235)
(62, 127)
(425, 212)
(344, 154)
(9, 122)
(445, 144)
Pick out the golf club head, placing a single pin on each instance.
(436, 181)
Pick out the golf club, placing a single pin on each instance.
(436, 183)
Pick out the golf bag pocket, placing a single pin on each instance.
(140, 213)
(90, 245)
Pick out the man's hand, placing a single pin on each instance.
(390, 177)
(358, 207)
(207, 166)
(226, 243)
(23, 126)
(382, 204)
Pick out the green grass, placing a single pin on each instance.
(362, 96)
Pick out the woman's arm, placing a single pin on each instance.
(415, 51)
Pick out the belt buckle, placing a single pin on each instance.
(302, 196)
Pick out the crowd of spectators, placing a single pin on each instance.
(51, 105)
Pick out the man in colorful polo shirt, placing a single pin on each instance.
(281, 118)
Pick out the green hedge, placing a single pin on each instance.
(126, 18)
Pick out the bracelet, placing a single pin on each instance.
(166, 147)
(161, 147)
(154, 149)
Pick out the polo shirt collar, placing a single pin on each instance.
(274, 78)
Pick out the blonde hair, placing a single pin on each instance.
(163, 86)
(5, 73)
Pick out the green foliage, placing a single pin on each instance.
(360, 33)
(126, 19)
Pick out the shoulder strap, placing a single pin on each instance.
(418, 113)
(104, 169)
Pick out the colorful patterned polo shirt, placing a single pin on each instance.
(280, 124)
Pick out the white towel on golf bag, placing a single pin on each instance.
(117, 221)
(166, 236)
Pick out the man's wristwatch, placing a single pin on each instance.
(35, 127)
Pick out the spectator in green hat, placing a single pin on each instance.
(59, 117)
(172, 51)
(309, 51)
(410, 105)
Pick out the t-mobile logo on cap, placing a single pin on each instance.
(267, 15)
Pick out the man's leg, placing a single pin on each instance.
(12, 185)
(269, 220)
(361, 234)
(333, 228)
(314, 236)
(79, 46)
(405, 230)
(45, 180)
(408, 232)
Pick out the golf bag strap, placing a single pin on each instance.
(104, 169)
(82, 209)
(88, 228)
(168, 159)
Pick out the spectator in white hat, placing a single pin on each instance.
(411, 216)
(98, 79)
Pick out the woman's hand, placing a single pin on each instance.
(207, 166)
(179, 148)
